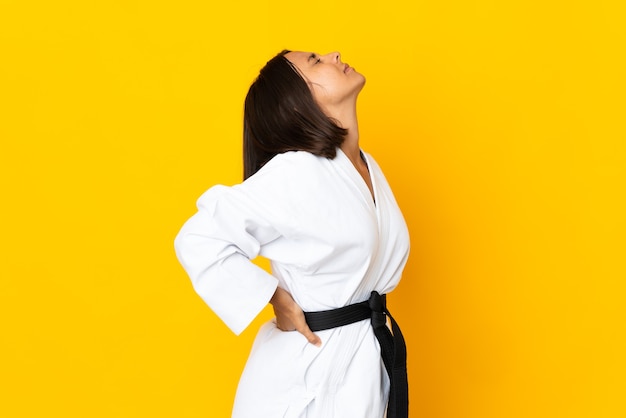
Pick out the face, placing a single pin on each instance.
(331, 81)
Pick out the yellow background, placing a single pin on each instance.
(500, 126)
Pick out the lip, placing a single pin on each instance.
(347, 68)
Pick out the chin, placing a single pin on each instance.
(361, 82)
(360, 76)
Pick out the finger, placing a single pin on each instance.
(310, 336)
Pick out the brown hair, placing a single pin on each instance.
(280, 115)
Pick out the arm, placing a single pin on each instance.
(216, 246)
(231, 226)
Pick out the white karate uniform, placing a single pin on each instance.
(330, 245)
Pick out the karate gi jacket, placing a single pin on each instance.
(330, 243)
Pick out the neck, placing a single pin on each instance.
(347, 118)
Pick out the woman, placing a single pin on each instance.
(322, 212)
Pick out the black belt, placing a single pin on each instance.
(393, 348)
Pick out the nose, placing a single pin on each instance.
(334, 56)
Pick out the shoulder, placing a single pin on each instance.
(285, 176)
(290, 166)
(292, 160)
(285, 173)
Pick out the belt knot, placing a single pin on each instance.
(378, 305)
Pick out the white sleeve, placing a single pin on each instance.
(215, 247)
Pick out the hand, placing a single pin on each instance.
(289, 316)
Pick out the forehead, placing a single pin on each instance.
(299, 58)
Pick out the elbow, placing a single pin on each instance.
(179, 245)
(199, 258)
(187, 254)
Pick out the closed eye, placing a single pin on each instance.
(315, 58)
